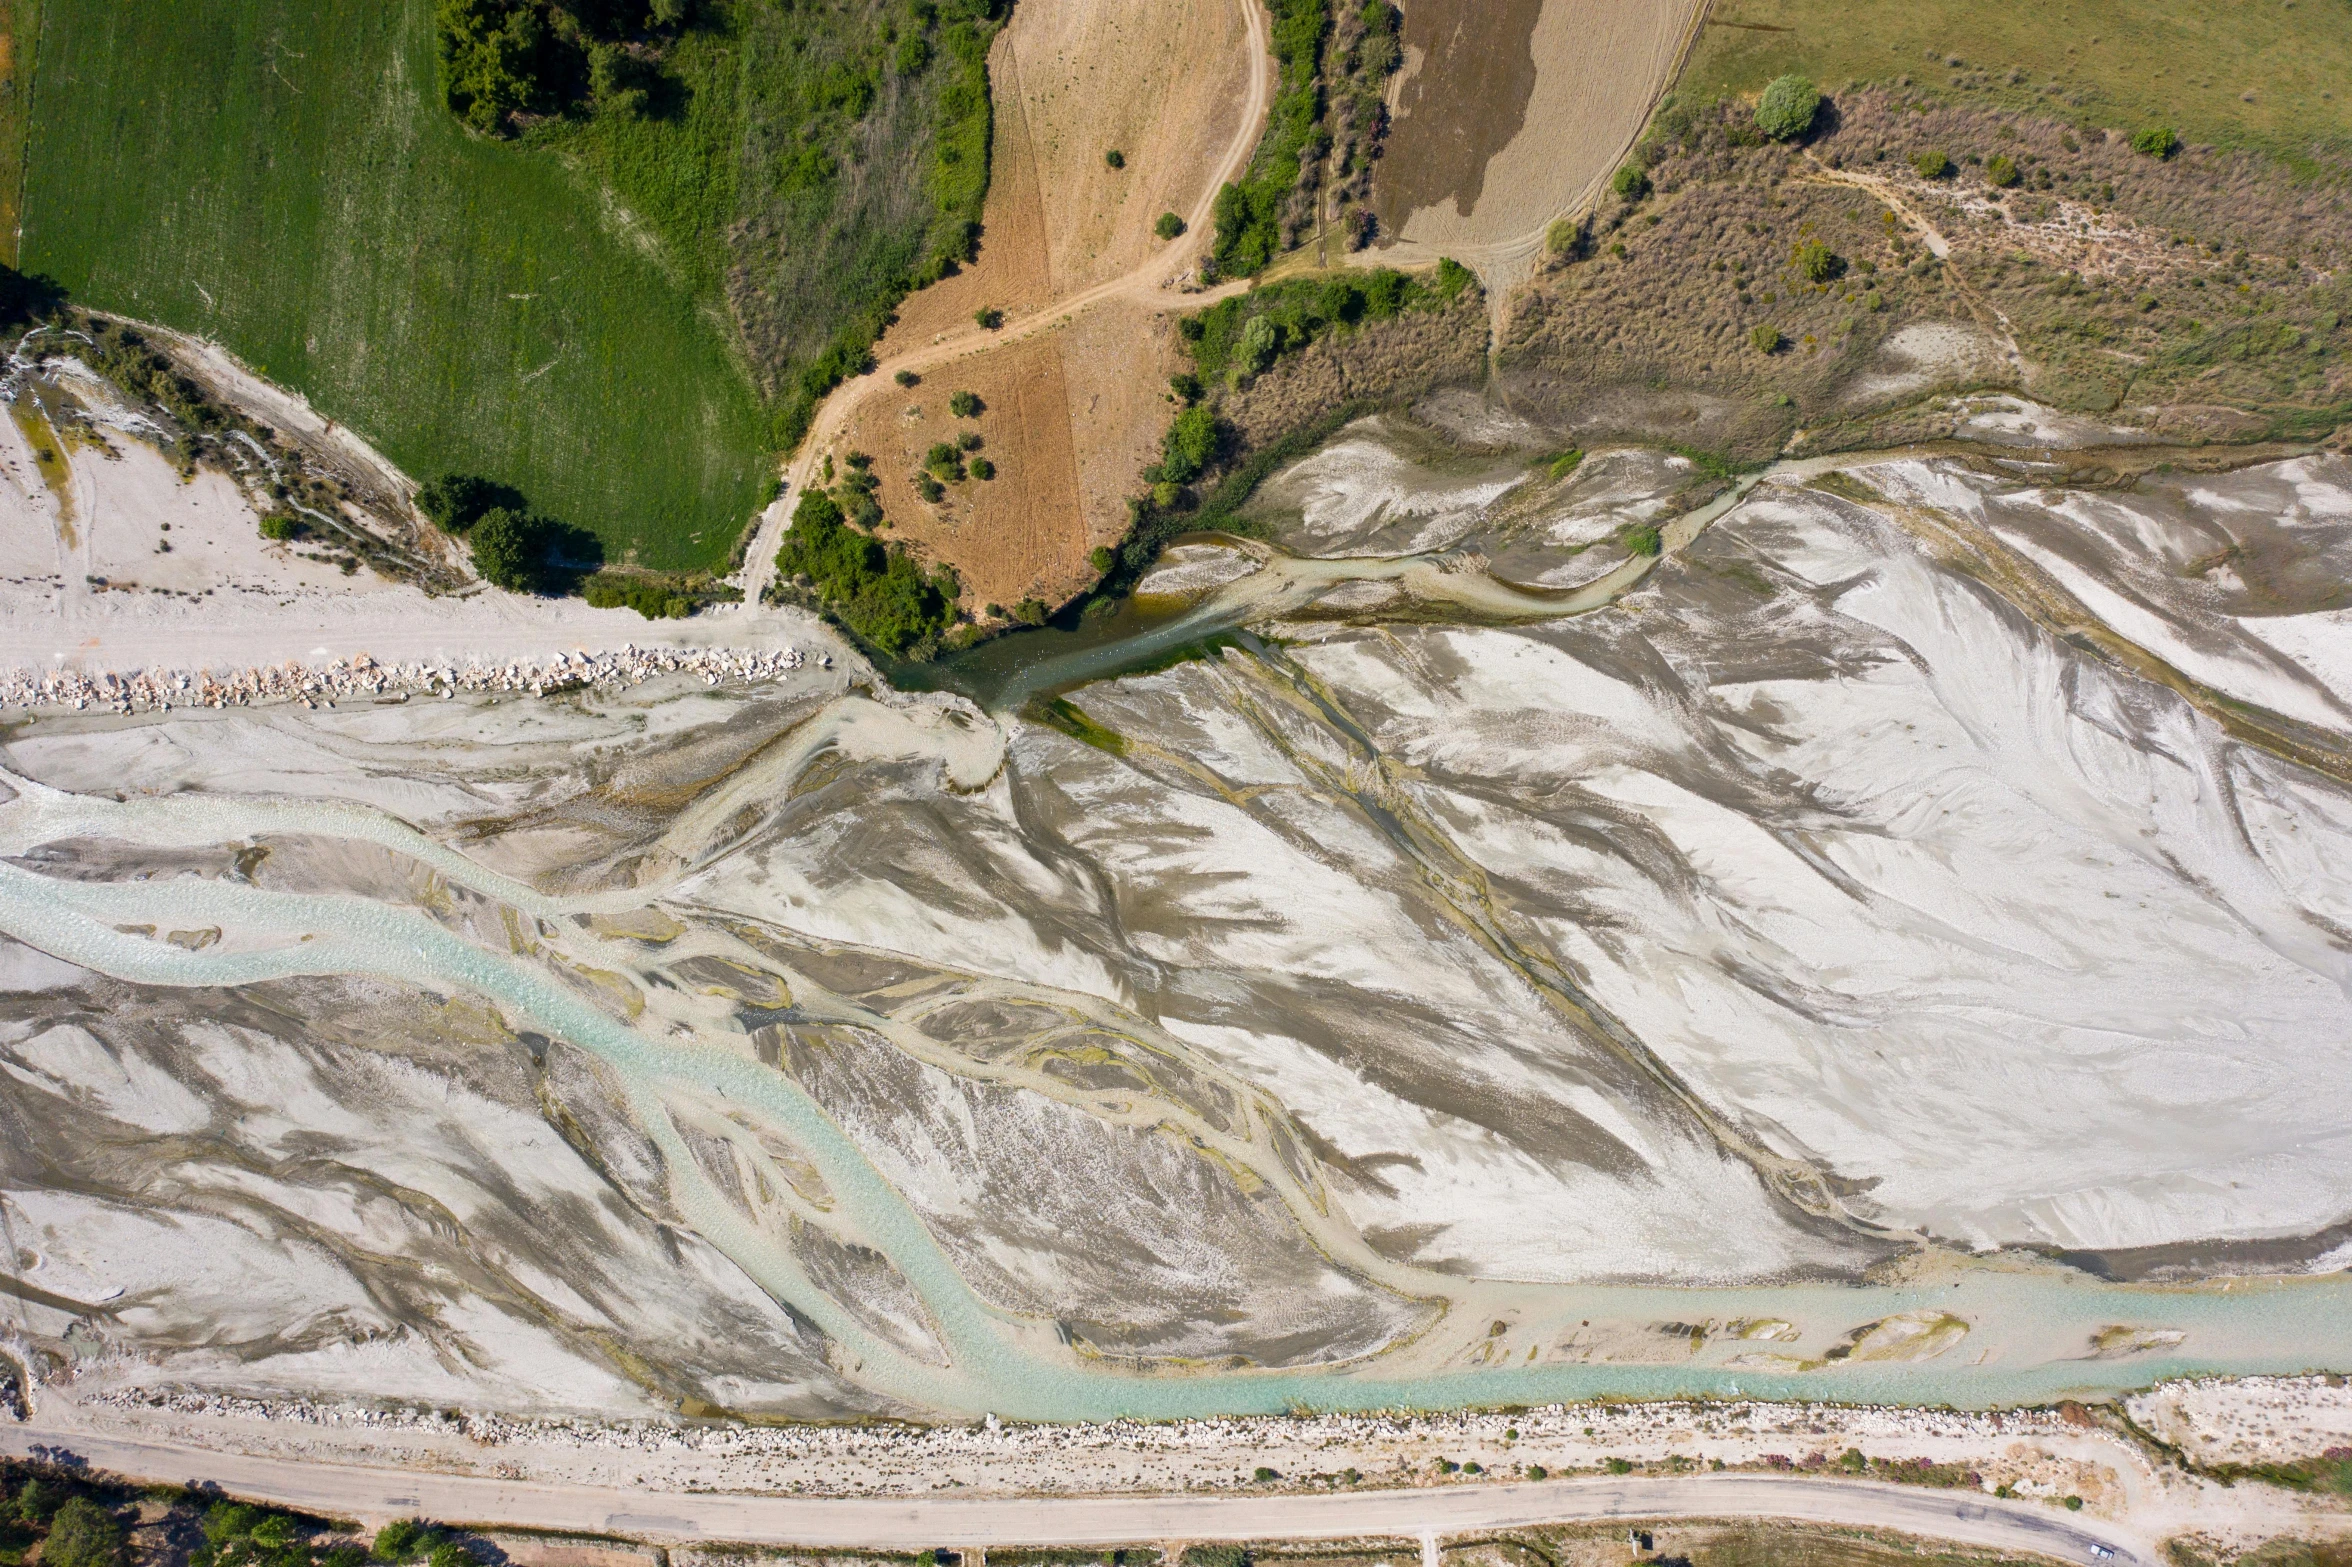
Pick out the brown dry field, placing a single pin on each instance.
(1156, 79)
(1509, 112)
(1074, 411)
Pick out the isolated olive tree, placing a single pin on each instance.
(1786, 110)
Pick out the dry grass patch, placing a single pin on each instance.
(2101, 280)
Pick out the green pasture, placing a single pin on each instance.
(280, 175)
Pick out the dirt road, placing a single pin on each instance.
(372, 1495)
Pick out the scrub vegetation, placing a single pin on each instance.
(879, 592)
(610, 252)
(1749, 291)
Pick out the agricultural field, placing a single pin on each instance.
(623, 296)
(1072, 406)
(2271, 75)
(1512, 113)
(281, 175)
(20, 27)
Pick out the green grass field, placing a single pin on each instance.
(280, 175)
(20, 27)
(2272, 75)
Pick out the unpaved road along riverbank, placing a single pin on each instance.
(895, 1524)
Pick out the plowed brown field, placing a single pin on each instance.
(1509, 113)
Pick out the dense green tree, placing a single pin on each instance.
(83, 1534)
(397, 1541)
(503, 542)
(881, 594)
(1786, 110)
(455, 501)
(490, 59)
(1190, 444)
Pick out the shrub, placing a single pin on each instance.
(1620, 1466)
(1186, 386)
(1537, 1472)
(1565, 464)
(1115, 158)
(1452, 278)
(982, 468)
(907, 378)
(1190, 444)
(1261, 340)
(1168, 225)
(455, 501)
(1786, 110)
(929, 488)
(1931, 165)
(648, 596)
(989, 317)
(1642, 541)
(83, 1534)
(969, 441)
(965, 405)
(450, 1554)
(1101, 558)
(2073, 1505)
(2157, 141)
(502, 542)
(397, 1540)
(1766, 338)
(281, 526)
(1264, 1474)
(1031, 612)
(1631, 181)
(2001, 170)
(1816, 262)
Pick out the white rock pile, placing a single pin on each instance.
(361, 677)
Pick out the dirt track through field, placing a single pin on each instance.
(1075, 380)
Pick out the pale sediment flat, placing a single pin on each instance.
(1595, 996)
